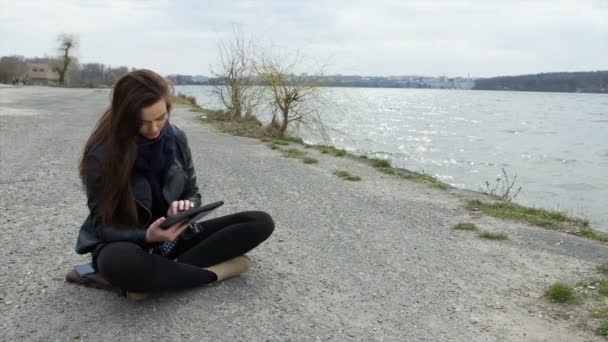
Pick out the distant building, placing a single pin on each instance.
(41, 74)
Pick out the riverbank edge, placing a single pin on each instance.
(492, 206)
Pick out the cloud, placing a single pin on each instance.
(452, 37)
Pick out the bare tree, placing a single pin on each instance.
(233, 76)
(11, 67)
(67, 44)
(294, 99)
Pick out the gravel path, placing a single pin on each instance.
(350, 261)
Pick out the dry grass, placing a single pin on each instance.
(347, 176)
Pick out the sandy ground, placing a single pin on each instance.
(374, 260)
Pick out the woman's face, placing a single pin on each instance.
(153, 119)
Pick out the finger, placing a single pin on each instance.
(158, 221)
(181, 229)
(177, 229)
(181, 205)
(191, 204)
(174, 207)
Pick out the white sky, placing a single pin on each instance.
(377, 37)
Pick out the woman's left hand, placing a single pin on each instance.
(178, 206)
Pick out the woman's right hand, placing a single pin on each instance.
(156, 234)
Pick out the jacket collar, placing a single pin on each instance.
(173, 184)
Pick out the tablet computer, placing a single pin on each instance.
(191, 215)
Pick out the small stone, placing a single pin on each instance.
(591, 287)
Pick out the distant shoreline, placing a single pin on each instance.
(594, 82)
(495, 90)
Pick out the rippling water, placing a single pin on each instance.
(556, 144)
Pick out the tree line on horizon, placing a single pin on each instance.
(63, 69)
(566, 82)
(77, 75)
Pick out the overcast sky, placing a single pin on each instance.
(378, 37)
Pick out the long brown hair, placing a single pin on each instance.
(117, 130)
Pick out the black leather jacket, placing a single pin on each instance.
(179, 184)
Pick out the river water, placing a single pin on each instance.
(556, 143)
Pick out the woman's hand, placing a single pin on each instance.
(178, 206)
(156, 234)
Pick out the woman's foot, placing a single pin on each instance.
(230, 268)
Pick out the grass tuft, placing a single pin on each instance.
(493, 235)
(380, 163)
(294, 153)
(603, 287)
(289, 138)
(600, 313)
(309, 160)
(347, 176)
(387, 170)
(603, 328)
(539, 217)
(338, 152)
(465, 226)
(593, 235)
(425, 178)
(184, 99)
(603, 268)
(560, 292)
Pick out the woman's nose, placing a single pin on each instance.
(154, 128)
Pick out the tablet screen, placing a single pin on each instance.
(191, 215)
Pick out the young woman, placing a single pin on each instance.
(137, 169)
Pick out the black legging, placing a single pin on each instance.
(130, 267)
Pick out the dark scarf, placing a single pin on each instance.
(153, 159)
